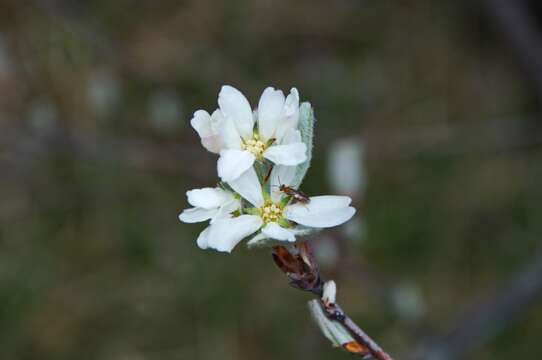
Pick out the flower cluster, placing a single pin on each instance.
(263, 157)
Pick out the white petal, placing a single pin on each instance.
(291, 105)
(226, 210)
(270, 110)
(229, 134)
(280, 175)
(226, 233)
(235, 106)
(212, 143)
(206, 127)
(208, 130)
(248, 186)
(232, 163)
(292, 136)
(256, 240)
(208, 198)
(291, 154)
(290, 116)
(203, 238)
(201, 122)
(275, 231)
(194, 215)
(321, 211)
(329, 295)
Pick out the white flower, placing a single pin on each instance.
(274, 217)
(209, 204)
(241, 136)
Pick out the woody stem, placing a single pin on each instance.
(303, 272)
(337, 313)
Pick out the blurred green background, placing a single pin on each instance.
(431, 106)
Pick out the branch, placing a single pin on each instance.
(299, 264)
(335, 312)
(518, 24)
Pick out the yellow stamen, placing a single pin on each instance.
(271, 212)
(255, 146)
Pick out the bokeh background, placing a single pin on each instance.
(428, 116)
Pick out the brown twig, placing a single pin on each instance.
(299, 264)
(335, 312)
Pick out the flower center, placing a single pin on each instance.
(271, 212)
(255, 146)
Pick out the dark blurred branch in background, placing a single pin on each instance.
(24, 149)
(516, 20)
(130, 152)
(382, 143)
(485, 319)
(73, 19)
(482, 137)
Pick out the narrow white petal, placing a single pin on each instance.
(225, 234)
(232, 163)
(275, 231)
(248, 186)
(291, 105)
(321, 211)
(270, 109)
(229, 134)
(329, 295)
(290, 116)
(194, 215)
(208, 198)
(203, 238)
(291, 154)
(235, 106)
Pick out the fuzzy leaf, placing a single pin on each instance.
(333, 330)
(306, 127)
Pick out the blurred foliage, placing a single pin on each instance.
(96, 153)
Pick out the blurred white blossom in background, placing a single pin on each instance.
(165, 109)
(5, 63)
(408, 301)
(102, 91)
(43, 115)
(346, 168)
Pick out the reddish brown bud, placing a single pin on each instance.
(300, 266)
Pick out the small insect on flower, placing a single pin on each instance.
(297, 195)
